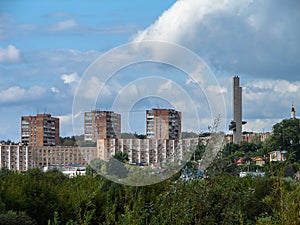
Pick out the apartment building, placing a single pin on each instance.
(250, 136)
(101, 124)
(40, 130)
(44, 156)
(147, 151)
(22, 157)
(16, 157)
(163, 124)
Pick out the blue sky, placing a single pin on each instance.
(97, 25)
(46, 47)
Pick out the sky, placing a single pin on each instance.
(54, 56)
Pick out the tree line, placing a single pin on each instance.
(37, 197)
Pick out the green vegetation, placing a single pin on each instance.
(76, 141)
(50, 198)
(286, 136)
(221, 197)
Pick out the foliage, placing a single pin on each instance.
(286, 136)
(51, 198)
(76, 141)
(8, 142)
(121, 156)
(14, 218)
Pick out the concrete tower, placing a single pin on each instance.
(293, 112)
(236, 124)
(163, 124)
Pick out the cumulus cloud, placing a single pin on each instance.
(9, 54)
(244, 37)
(15, 94)
(55, 90)
(70, 78)
(268, 100)
(261, 125)
(95, 87)
(65, 119)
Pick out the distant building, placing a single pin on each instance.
(147, 151)
(252, 174)
(16, 157)
(250, 136)
(293, 112)
(101, 125)
(21, 157)
(163, 124)
(46, 156)
(71, 170)
(40, 130)
(278, 156)
(259, 161)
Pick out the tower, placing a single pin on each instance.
(236, 124)
(163, 124)
(40, 130)
(101, 125)
(293, 112)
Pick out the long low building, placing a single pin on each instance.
(62, 155)
(16, 157)
(21, 157)
(147, 151)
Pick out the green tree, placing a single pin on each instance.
(115, 165)
(286, 136)
(121, 156)
(14, 218)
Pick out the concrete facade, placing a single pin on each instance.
(16, 157)
(236, 124)
(147, 151)
(101, 124)
(163, 124)
(21, 157)
(62, 155)
(40, 130)
(250, 136)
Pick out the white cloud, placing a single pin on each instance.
(70, 78)
(65, 119)
(243, 37)
(55, 90)
(65, 25)
(9, 54)
(216, 89)
(179, 20)
(16, 94)
(273, 86)
(260, 125)
(93, 87)
(268, 99)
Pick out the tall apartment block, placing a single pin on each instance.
(101, 125)
(163, 124)
(236, 124)
(40, 130)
